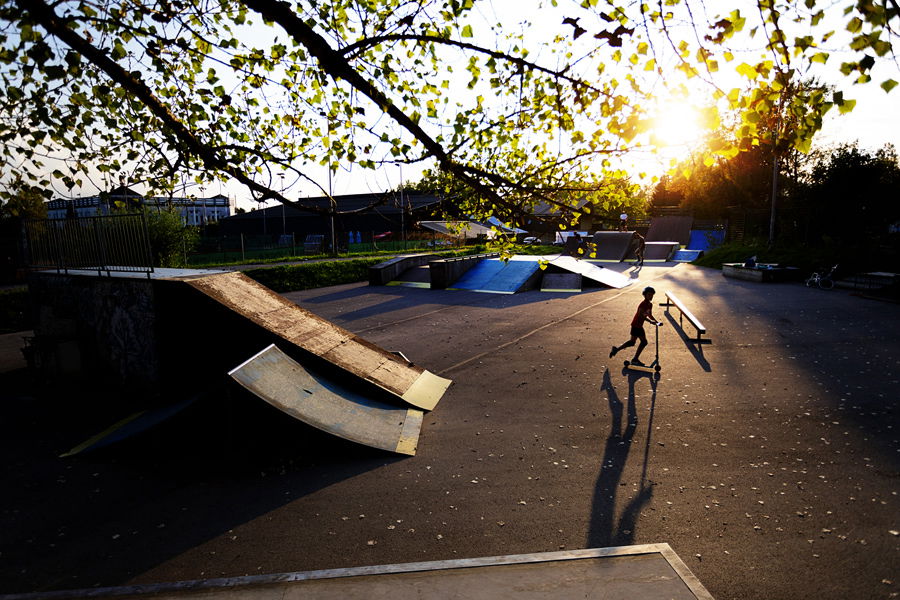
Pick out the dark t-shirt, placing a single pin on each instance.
(644, 309)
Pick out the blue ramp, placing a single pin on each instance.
(686, 255)
(705, 239)
(494, 276)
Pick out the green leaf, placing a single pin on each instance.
(888, 85)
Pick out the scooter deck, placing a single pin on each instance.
(651, 368)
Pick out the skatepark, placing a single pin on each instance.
(766, 455)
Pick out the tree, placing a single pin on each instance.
(170, 239)
(24, 201)
(849, 195)
(167, 89)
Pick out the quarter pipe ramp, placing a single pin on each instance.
(670, 229)
(285, 384)
(612, 246)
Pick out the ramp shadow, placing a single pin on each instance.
(103, 518)
(605, 529)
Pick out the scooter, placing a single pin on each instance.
(652, 367)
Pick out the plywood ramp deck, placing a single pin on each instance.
(277, 314)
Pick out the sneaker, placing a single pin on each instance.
(636, 361)
(612, 352)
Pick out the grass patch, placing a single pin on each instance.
(324, 273)
(383, 254)
(808, 258)
(532, 250)
(290, 278)
(14, 311)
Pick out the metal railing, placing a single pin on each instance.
(103, 243)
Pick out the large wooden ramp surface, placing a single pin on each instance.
(285, 384)
(277, 314)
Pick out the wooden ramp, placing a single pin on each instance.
(413, 384)
(286, 385)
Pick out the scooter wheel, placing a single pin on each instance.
(627, 363)
(658, 368)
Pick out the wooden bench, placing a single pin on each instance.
(672, 300)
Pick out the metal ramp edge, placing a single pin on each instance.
(322, 338)
(639, 571)
(282, 382)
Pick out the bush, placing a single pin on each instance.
(289, 278)
(805, 257)
(170, 239)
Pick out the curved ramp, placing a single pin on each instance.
(315, 335)
(612, 246)
(285, 384)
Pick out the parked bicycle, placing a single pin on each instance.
(822, 281)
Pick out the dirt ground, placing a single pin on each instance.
(767, 457)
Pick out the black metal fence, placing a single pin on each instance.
(99, 243)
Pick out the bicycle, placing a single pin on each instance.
(822, 281)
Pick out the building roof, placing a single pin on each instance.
(385, 203)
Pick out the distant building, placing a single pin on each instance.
(367, 214)
(194, 211)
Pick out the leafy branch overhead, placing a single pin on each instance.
(515, 115)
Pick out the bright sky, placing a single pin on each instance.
(874, 122)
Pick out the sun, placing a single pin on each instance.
(676, 124)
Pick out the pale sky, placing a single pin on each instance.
(874, 122)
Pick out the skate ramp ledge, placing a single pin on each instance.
(319, 337)
(647, 571)
(285, 384)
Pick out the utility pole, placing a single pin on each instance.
(283, 218)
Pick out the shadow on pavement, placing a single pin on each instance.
(104, 517)
(695, 347)
(604, 529)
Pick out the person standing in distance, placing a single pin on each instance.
(623, 222)
(644, 313)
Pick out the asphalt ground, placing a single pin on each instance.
(768, 458)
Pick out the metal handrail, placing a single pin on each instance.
(103, 243)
